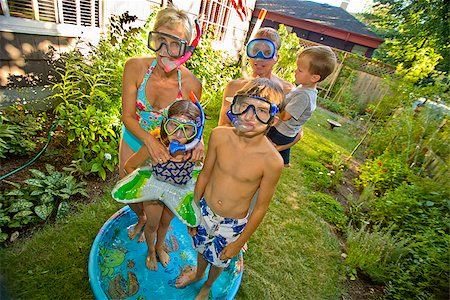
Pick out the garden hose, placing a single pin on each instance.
(34, 158)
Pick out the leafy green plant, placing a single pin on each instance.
(374, 252)
(358, 207)
(316, 175)
(15, 212)
(290, 47)
(19, 128)
(414, 207)
(384, 173)
(329, 209)
(53, 191)
(39, 198)
(6, 134)
(96, 135)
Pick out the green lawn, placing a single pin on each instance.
(293, 255)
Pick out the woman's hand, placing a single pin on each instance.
(157, 150)
(198, 153)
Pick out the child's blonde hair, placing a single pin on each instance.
(263, 87)
(270, 34)
(172, 17)
(322, 62)
(180, 108)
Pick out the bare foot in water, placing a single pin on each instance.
(141, 238)
(135, 229)
(186, 277)
(204, 293)
(163, 257)
(151, 262)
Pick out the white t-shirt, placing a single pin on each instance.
(300, 103)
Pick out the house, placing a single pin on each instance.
(320, 23)
(29, 27)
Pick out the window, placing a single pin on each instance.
(76, 12)
(214, 15)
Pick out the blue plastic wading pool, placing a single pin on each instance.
(117, 265)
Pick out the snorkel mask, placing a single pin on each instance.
(263, 110)
(176, 146)
(261, 48)
(187, 52)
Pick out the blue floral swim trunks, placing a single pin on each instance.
(214, 233)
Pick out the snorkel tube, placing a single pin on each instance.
(238, 123)
(175, 146)
(173, 64)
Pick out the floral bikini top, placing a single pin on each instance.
(174, 172)
(149, 118)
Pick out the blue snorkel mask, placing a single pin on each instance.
(176, 146)
(261, 48)
(262, 109)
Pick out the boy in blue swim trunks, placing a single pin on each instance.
(240, 160)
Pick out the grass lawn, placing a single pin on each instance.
(293, 254)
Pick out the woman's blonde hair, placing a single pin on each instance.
(172, 17)
(263, 87)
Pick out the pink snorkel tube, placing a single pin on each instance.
(173, 64)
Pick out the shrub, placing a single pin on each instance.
(413, 207)
(42, 197)
(290, 47)
(329, 209)
(19, 130)
(375, 253)
(384, 173)
(316, 175)
(96, 135)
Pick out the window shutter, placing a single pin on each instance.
(85, 8)
(47, 10)
(21, 9)
(69, 12)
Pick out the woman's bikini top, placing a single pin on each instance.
(149, 118)
(174, 172)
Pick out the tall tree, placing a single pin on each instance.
(416, 33)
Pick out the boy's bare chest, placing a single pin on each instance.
(241, 164)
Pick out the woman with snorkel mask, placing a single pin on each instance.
(149, 86)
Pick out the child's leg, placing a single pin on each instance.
(139, 211)
(164, 223)
(193, 274)
(286, 155)
(214, 272)
(153, 211)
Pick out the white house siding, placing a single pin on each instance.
(21, 36)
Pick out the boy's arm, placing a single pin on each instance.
(287, 146)
(284, 115)
(295, 107)
(136, 160)
(205, 173)
(230, 90)
(269, 182)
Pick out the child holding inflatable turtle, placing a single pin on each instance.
(165, 188)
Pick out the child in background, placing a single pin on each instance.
(239, 161)
(314, 64)
(164, 188)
